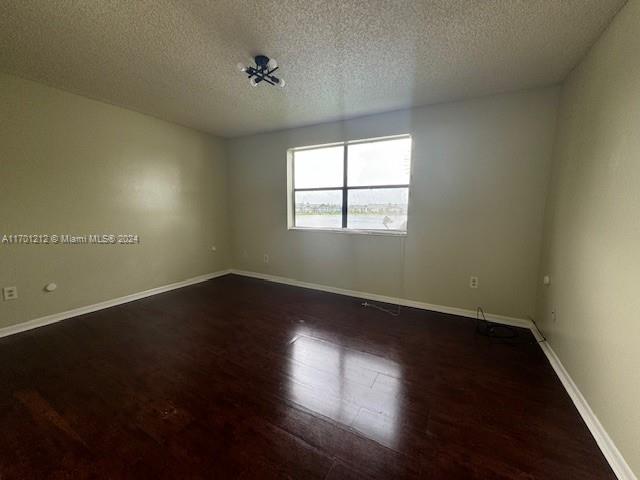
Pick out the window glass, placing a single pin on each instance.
(319, 209)
(375, 187)
(319, 167)
(384, 162)
(378, 209)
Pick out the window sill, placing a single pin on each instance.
(388, 233)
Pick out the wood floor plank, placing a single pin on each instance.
(241, 378)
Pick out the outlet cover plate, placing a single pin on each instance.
(10, 293)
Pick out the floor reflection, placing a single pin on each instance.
(357, 389)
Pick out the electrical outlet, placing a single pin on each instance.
(553, 316)
(473, 282)
(266, 258)
(10, 293)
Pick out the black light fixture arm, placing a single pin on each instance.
(263, 71)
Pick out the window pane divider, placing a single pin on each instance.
(345, 194)
(316, 189)
(372, 187)
(357, 187)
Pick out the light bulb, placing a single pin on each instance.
(253, 82)
(241, 67)
(281, 83)
(272, 64)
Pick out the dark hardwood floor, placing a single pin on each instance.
(240, 378)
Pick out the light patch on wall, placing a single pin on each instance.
(155, 187)
(157, 192)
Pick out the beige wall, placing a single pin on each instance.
(72, 165)
(592, 232)
(480, 172)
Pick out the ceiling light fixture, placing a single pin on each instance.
(262, 72)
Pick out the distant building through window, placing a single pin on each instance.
(358, 185)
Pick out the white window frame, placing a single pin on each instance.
(345, 188)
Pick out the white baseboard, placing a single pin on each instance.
(516, 322)
(56, 317)
(608, 448)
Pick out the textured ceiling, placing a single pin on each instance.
(340, 58)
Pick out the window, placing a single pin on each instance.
(359, 185)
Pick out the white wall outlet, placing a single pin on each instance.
(10, 293)
(266, 258)
(473, 282)
(546, 280)
(553, 316)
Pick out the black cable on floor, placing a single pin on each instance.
(382, 309)
(544, 339)
(493, 330)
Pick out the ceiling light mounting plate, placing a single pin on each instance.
(262, 61)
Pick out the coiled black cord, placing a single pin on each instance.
(493, 330)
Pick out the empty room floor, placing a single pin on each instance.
(241, 378)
